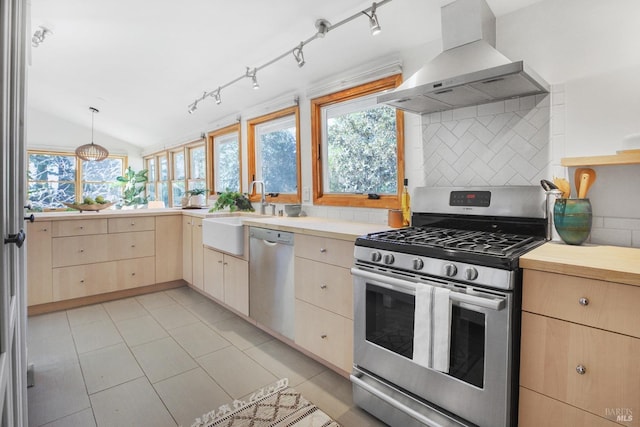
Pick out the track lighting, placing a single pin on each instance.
(322, 28)
(374, 25)
(299, 55)
(39, 36)
(252, 75)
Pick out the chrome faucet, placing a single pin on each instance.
(263, 197)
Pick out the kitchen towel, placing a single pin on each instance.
(431, 332)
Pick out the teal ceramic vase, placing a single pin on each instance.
(572, 219)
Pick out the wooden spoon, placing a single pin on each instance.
(564, 186)
(577, 179)
(587, 178)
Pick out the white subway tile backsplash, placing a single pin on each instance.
(491, 109)
(622, 223)
(435, 117)
(543, 100)
(557, 98)
(498, 122)
(465, 113)
(635, 239)
(608, 236)
(481, 132)
(447, 116)
(558, 120)
(462, 127)
(447, 136)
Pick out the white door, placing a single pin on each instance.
(13, 389)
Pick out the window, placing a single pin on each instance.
(274, 153)
(53, 178)
(224, 145)
(358, 147)
(172, 173)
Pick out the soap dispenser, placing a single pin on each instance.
(406, 204)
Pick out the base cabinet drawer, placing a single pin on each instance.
(79, 227)
(125, 225)
(325, 334)
(326, 286)
(84, 280)
(537, 410)
(585, 367)
(137, 272)
(131, 245)
(77, 250)
(323, 249)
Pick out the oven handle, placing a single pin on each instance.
(393, 283)
(387, 282)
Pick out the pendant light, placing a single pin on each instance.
(92, 152)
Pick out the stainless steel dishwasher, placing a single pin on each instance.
(271, 293)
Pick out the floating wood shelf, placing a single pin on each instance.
(628, 157)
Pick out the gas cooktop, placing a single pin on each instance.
(480, 247)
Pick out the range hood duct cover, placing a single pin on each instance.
(470, 71)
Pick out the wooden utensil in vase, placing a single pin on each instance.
(587, 178)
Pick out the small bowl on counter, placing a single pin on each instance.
(292, 210)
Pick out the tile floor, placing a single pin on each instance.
(163, 359)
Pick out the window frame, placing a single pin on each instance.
(354, 200)
(211, 154)
(251, 150)
(78, 182)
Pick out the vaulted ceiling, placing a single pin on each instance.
(142, 62)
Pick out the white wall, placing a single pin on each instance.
(588, 50)
(48, 132)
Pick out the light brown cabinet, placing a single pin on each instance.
(579, 351)
(192, 249)
(324, 298)
(78, 258)
(39, 263)
(226, 278)
(168, 248)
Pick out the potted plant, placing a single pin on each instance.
(233, 200)
(134, 187)
(197, 197)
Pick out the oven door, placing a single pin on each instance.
(477, 384)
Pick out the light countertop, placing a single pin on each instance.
(609, 263)
(324, 227)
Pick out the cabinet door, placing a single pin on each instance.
(131, 245)
(537, 410)
(323, 249)
(197, 253)
(187, 249)
(39, 279)
(327, 286)
(214, 274)
(79, 227)
(134, 223)
(79, 250)
(325, 334)
(134, 273)
(604, 305)
(84, 280)
(168, 248)
(553, 353)
(236, 283)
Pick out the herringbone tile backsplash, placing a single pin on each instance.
(502, 143)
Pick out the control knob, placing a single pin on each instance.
(470, 273)
(376, 256)
(388, 259)
(450, 270)
(418, 264)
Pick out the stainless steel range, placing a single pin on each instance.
(437, 308)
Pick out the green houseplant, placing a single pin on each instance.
(134, 187)
(234, 200)
(197, 196)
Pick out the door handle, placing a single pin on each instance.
(18, 239)
(30, 218)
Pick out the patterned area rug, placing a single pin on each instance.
(275, 406)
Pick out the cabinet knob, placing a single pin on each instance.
(133, 223)
(323, 286)
(133, 246)
(583, 301)
(323, 336)
(82, 227)
(581, 369)
(133, 274)
(82, 281)
(220, 262)
(225, 263)
(323, 250)
(81, 250)
(44, 229)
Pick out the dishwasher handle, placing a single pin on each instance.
(271, 237)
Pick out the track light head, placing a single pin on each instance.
(216, 96)
(323, 27)
(252, 75)
(40, 35)
(374, 24)
(193, 107)
(299, 55)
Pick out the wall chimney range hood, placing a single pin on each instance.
(469, 71)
